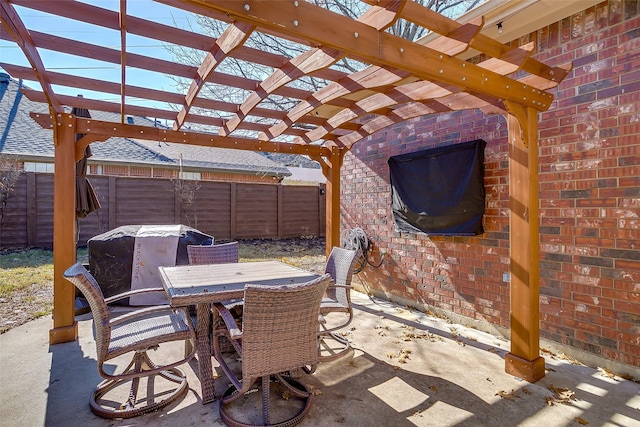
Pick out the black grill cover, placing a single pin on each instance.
(439, 191)
(111, 255)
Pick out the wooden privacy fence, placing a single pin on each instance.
(225, 210)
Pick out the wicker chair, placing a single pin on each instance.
(278, 334)
(213, 254)
(135, 332)
(340, 265)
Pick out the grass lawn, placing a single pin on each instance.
(26, 277)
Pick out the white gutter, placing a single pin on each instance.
(519, 17)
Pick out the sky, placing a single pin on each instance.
(35, 20)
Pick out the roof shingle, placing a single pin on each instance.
(20, 135)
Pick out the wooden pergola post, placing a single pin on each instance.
(65, 328)
(524, 359)
(332, 173)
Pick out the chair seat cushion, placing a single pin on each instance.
(146, 332)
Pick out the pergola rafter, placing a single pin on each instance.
(16, 31)
(400, 80)
(122, 24)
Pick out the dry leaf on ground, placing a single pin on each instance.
(381, 330)
(402, 355)
(315, 390)
(562, 395)
(408, 336)
(508, 395)
(606, 373)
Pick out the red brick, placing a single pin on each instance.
(629, 307)
(582, 146)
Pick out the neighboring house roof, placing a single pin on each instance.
(295, 160)
(196, 156)
(18, 130)
(21, 136)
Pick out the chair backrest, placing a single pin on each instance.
(87, 284)
(340, 265)
(213, 254)
(280, 326)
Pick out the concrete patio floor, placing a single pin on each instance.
(406, 369)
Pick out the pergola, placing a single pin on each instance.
(400, 80)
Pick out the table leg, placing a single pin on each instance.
(203, 312)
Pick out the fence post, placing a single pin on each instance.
(177, 203)
(112, 202)
(321, 205)
(280, 198)
(232, 216)
(32, 210)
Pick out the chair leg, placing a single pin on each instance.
(295, 389)
(266, 381)
(333, 353)
(128, 408)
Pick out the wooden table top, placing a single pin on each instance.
(196, 284)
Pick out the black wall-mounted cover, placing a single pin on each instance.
(439, 191)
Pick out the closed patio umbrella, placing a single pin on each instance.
(86, 199)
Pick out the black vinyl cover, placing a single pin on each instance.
(111, 255)
(439, 191)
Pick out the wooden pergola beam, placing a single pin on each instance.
(102, 129)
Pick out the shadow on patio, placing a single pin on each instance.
(406, 369)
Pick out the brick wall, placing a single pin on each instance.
(589, 192)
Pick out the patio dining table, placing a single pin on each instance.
(202, 285)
